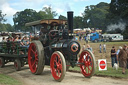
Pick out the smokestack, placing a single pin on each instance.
(70, 21)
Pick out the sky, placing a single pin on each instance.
(10, 7)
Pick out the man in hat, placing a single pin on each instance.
(123, 55)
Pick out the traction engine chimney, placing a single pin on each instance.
(70, 21)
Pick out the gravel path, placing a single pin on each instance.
(27, 78)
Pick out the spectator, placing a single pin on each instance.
(113, 56)
(123, 56)
(80, 38)
(117, 53)
(8, 44)
(104, 48)
(83, 48)
(16, 38)
(25, 42)
(4, 40)
(100, 48)
(19, 39)
(89, 48)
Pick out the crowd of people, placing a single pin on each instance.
(120, 56)
(25, 41)
(21, 42)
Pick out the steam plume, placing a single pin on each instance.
(120, 25)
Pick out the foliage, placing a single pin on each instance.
(95, 15)
(4, 27)
(119, 12)
(62, 17)
(49, 13)
(2, 17)
(29, 15)
(20, 18)
(78, 22)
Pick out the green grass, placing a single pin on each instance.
(117, 43)
(110, 72)
(7, 80)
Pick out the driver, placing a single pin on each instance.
(43, 34)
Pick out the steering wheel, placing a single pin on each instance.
(52, 34)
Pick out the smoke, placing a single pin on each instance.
(114, 27)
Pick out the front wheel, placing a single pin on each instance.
(58, 66)
(87, 65)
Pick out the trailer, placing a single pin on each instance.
(13, 52)
(113, 37)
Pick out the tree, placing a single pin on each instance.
(29, 15)
(20, 18)
(9, 27)
(119, 13)
(95, 15)
(2, 17)
(78, 22)
(62, 17)
(48, 13)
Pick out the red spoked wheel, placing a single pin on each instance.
(58, 66)
(88, 63)
(2, 62)
(36, 59)
(17, 64)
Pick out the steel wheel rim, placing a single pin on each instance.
(56, 66)
(87, 66)
(32, 57)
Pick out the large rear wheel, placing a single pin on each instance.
(58, 66)
(36, 57)
(88, 63)
(2, 62)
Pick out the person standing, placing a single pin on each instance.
(104, 48)
(89, 48)
(113, 56)
(117, 53)
(123, 56)
(3, 39)
(83, 48)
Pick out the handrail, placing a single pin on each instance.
(13, 47)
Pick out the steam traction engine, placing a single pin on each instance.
(57, 48)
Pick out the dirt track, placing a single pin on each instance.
(27, 78)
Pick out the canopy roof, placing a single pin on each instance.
(52, 22)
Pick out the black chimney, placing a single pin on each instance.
(70, 21)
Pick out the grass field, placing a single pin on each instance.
(110, 72)
(7, 80)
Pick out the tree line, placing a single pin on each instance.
(102, 16)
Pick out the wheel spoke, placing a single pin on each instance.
(58, 73)
(33, 51)
(89, 70)
(87, 67)
(33, 64)
(56, 61)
